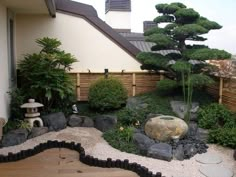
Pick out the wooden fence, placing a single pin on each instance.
(134, 82)
(225, 91)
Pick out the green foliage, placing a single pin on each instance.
(206, 54)
(121, 138)
(17, 99)
(106, 94)
(10, 125)
(164, 18)
(162, 41)
(207, 24)
(186, 16)
(166, 86)
(131, 117)
(45, 74)
(214, 116)
(223, 136)
(23, 124)
(200, 80)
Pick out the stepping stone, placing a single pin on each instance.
(215, 171)
(208, 158)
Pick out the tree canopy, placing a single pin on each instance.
(177, 24)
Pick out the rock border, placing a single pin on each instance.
(86, 159)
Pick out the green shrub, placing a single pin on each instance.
(215, 115)
(44, 74)
(223, 136)
(107, 94)
(17, 99)
(121, 138)
(127, 117)
(10, 125)
(166, 86)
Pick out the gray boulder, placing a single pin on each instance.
(192, 130)
(14, 137)
(180, 108)
(135, 103)
(143, 142)
(161, 151)
(202, 134)
(55, 121)
(37, 131)
(189, 150)
(80, 121)
(178, 153)
(105, 122)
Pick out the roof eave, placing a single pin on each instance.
(51, 7)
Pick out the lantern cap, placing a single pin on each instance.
(31, 104)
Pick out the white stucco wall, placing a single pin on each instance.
(118, 19)
(92, 48)
(4, 74)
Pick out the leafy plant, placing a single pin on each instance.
(45, 74)
(17, 99)
(166, 86)
(214, 116)
(107, 94)
(121, 138)
(23, 124)
(131, 117)
(223, 136)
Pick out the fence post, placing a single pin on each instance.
(78, 86)
(162, 72)
(221, 90)
(134, 84)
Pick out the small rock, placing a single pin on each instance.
(202, 134)
(161, 151)
(215, 171)
(55, 121)
(37, 131)
(178, 153)
(143, 142)
(14, 137)
(135, 103)
(105, 122)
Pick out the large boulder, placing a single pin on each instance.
(80, 121)
(165, 128)
(143, 142)
(180, 108)
(55, 121)
(14, 137)
(161, 151)
(105, 122)
(37, 131)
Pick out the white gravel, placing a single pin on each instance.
(93, 143)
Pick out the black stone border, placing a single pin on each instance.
(86, 159)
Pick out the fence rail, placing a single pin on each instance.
(135, 82)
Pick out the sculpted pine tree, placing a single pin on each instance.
(184, 63)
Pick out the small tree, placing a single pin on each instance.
(44, 74)
(184, 63)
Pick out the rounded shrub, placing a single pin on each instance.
(107, 94)
(215, 115)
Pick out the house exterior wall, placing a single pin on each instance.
(119, 19)
(4, 76)
(92, 48)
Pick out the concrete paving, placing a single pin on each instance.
(209, 158)
(215, 171)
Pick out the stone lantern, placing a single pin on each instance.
(32, 114)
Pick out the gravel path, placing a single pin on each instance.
(93, 143)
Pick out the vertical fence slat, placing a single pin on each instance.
(134, 84)
(78, 86)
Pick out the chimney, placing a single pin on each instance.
(148, 25)
(118, 14)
